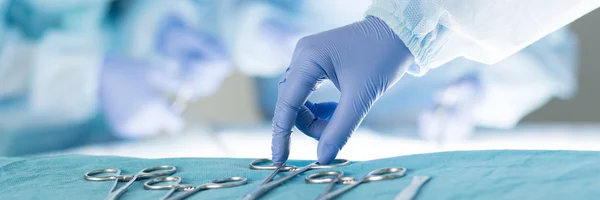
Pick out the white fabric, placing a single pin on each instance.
(438, 31)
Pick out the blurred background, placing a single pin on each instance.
(198, 78)
(581, 108)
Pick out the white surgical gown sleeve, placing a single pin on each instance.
(438, 31)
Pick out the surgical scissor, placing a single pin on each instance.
(268, 184)
(114, 174)
(190, 189)
(333, 177)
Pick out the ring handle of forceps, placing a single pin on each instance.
(175, 180)
(162, 170)
(219, 183)
(328, 177)
(385, 173)
(375, 175)
(254, 165)
(116, 174)
(227, 182)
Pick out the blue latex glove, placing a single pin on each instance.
(362, 59)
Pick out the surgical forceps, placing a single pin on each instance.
(268, 184)
(115, 174)
(413, 188)
(190, 189)
(338, 177)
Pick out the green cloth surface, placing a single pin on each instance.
(455, 175)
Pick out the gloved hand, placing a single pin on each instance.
(362, 59)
